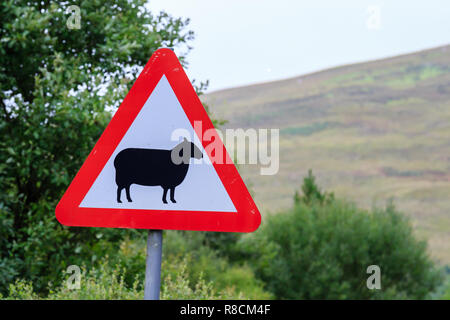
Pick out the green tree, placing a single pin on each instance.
(311, 192)
(322, 251)
(56, 86)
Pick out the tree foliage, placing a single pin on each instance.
(107, 283)
(321, 250)
(311, 192)
(57, 89)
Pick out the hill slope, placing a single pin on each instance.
(370, 132)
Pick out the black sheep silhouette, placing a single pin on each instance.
(154, 167)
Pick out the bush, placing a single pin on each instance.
(190, 270)
(107, 283)
(443, 293)
(311, 192)
(212, 263)
(446, 295)
(321, 250)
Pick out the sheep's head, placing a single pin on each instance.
(195, 151)
(184, 151)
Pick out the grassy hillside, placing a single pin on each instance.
(370, 132)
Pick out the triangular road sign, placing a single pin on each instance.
(131, 178)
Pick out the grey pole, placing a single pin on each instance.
(153, 265)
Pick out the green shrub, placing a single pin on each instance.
(444, 291)
(446, 295)
(178, 285)
(21, 290)
(323, 251)
(242, 280)
(107, 283)
(311, 192)
(190, 270)
(321, 248)
(211, 263)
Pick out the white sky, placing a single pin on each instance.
(240, 42)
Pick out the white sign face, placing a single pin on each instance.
(160, 117)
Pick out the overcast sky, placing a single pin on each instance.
(241, 42)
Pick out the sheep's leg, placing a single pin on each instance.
(119, 190)
(127, 189)
(172, 195)
(164, 195)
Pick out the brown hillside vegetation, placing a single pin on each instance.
(370, 132)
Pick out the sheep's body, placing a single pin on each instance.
(149, 167)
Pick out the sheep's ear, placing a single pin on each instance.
(185, 139)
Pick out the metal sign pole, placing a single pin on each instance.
(153, 265)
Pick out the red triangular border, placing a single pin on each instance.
(163, 62)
